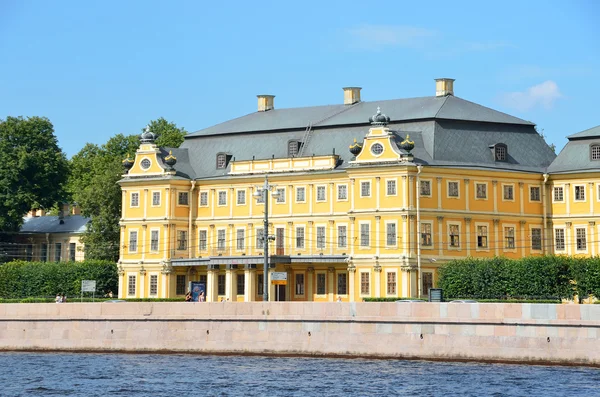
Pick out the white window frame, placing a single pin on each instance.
(157, 230)
(281, 199)
(539, 227)
(460, 239)
(504, 237)
(587, 243)
(296, 284)
(337, 235)
(337, 283)
(177, 239)
(129, 284)
(200, 198)
(395, 223)
(150, 276)
(296, 190)
(512, 186)
(457, 189)
(237, 239)
(205, 248)
(153, 192)
(324, 199)
(179, 192)
(303, 227)
(317, 273)
(486, 190)
(360, 289)
(564, 239)
(562, 193)
(431, 235)
(366, 183)
(360, 240)
(323, 227)
(575, 195)
(487, 247)
(531, 187)
(137, 240)
(345, 185)
(219, 204)
(420, 187)
(131, 195)
(237, 196)
(218, 240)
(387, 285)
(387, 187)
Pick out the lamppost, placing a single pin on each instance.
(263, 192)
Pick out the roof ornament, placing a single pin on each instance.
(128, 163)
(148, 136)
(407, 144)
(379, 118)
(170, 160)
(355, 148)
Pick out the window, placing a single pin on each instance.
(44, 253)
(72, 247)
(376, 149)
(364, 283)
(241, 197)
(342, 284)
(558, 193)
(240, 243)
(390, 240)
(241, 284)
(482, 236)
(182, 240)
(153, 284)
(391, 283)
(222, 197)
(299, 283)
(321, 193)
(427, 282)
(321, 284)
(481, 190)
(221, 160)
(221, 284)
(280, 195)
(500, 152)
(261, 284)
(579, 193)
(202, 240)
(426, 234)
(365, 189)
(131, 285)
(182, 198)
(133, 241)
(155, 199)
(580, 234)
(203, 199)
(536, 239)
(260, 239)
(595, 152)
(508, 192)
(300, 237)
(364, 235)
(452, 189)
(154, 240)
(559, 239)
(534, 193)
(135, 199)
(29, 253)
(204, 279)
(342, 192)
(391, 187)
(509, 237)
(454, 236)
(180, 288)
(145, 164)
(300, 194)
(425, 189)
(260, 199)
(221, 239)
(320, 237)
(294, 148)
(342, 237)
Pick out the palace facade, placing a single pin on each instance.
(365, 199)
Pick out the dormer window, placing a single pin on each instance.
(221, 161)
(595, 151)
(294, 148)
(500, 151)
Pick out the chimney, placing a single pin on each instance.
(351, 95)
(444, 87)
(265, 103)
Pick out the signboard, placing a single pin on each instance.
(279, 278)
(198, 291)
(436, 295)
(88, 285)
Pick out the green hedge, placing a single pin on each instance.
(531, 278)
(19, 280)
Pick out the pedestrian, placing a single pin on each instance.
(188, 296)
(64, 299)
(58, 298)
(201, 297)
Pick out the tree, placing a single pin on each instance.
(169, 135)
(33, 169)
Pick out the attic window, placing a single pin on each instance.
(294, 148)
(221, 160)
(595, 152)
(500, 151)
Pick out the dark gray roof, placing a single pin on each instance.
(448, 107)
(589, 133)
(182, 166)
(51, 224)
(576, 156)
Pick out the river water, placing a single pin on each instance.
(79, 374)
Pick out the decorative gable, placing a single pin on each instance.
(148, 160)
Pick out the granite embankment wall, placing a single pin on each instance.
(541, 333)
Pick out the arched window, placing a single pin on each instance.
(221, 160)
(595, 151)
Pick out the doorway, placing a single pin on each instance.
(280, 293)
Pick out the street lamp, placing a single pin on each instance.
(263, 192)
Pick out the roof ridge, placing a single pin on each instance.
(494, 110)
(442, 105)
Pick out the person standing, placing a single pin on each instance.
(201, 297)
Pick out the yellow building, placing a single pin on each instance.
(366, 204)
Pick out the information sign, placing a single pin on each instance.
(279, 278)
(88, 285)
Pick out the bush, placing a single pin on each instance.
(19, 280)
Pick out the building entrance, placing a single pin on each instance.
(280, 293)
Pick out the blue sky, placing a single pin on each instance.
(96, 69)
